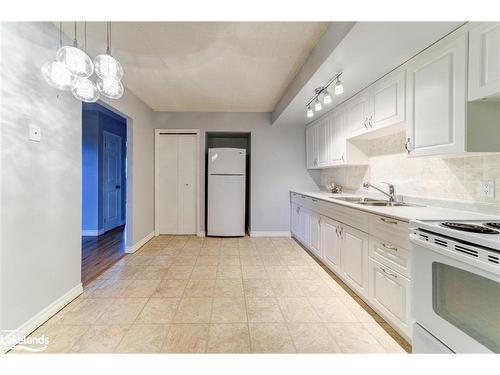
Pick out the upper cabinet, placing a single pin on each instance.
(327, 145)
(447, 97)
(387, 100)
(380, 106)
(484, 61)
(436, 98)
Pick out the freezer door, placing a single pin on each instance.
(226, 161)
(226, 206)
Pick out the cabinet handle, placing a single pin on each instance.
(388, 221)
(365, 123)
(389, 247)
(343, 157)
(370, 121)
(314, 200)
(337, 231)
(302, 196)
(388, 273)
(407, 145)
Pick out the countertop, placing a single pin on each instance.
(404, 213)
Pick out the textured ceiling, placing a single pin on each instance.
(206, 66)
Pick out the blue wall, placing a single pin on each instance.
(95, 120)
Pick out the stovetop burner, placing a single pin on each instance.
(470, 228)
(493, 225)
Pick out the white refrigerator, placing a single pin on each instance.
(226, 192)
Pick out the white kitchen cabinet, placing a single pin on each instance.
(303, 227)
(354, 258)
(324, 142)
(337, 140)
(331, 243)
(314, 237)
(387, 100)
(312, 146)
(390, 294)
(295, 220)
(356, 114)
(484, 61)
(436, 98)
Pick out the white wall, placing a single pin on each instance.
(41, 182)
(40, 199)
(277, 161)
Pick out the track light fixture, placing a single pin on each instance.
(338, 89)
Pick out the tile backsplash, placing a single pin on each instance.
(453, 178)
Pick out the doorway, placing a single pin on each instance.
(176, 182)
(104, 188)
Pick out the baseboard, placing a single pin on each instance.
(139, 244)
(201, 233)
(264, 233)
(92, 232)
(36, 321)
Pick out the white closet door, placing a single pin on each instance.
(168, 183)
(187, 184)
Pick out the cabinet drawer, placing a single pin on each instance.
(346, 215)
(306, 201)
(391, 255)
(390, 230)
(390, 295)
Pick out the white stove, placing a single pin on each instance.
(483, 233)
(456, 286)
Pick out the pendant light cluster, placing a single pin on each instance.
(338, 88)
(73, 69)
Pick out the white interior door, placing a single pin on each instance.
(187, 184)
(167, 183)
(176, 173)
(112, 197)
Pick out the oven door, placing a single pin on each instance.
(456, 298)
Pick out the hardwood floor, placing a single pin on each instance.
(101, 252)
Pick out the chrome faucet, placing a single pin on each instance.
(392, 190)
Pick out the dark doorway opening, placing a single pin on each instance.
(230, 140)
(104, 188)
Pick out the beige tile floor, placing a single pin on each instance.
(182, 294)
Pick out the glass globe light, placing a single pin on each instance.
(85, 90)
(339, 87)
(56, 75)
(110, 88)
(106, 66)
(76, 61)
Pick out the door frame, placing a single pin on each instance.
(158, 133)
(105, 134)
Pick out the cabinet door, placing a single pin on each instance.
(330, 243)
(356, 114)
(324, 140)
(436, 99)
(312, 146)
(337, 138)
(304, 226)
(484, 61)
(390, 293)
(387, 100)
(354, 258)
(313, 242)
(295, 212)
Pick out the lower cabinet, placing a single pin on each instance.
(390, 294)
(354, 256)
(330, 243)
(377, 269)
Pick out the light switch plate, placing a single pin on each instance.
(35, 133)
(487, 189)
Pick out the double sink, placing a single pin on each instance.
(373, 202)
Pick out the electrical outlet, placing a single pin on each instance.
(487, 189)
(35, 133)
